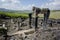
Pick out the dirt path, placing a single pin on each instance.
(22, 32)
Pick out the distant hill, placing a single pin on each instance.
(55, 10)
(26, 11)
(20, 11)
(3, 9)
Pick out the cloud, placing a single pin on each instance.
(15, 5)
(9, 4)
(18, 5)
(28, 7)
(55, 4)
(3, 0)
(12, 1)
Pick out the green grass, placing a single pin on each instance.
(53, 14)
(14, 14)
(17, 15)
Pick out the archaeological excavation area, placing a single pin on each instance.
(30, 28)
(23, 29)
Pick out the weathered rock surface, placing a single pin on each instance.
(14, 25)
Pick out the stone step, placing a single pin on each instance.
(23, 32)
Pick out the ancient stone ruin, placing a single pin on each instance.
(29, 29)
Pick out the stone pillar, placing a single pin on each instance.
(30, 17)
(3, 24)
(36, 21)
(12, 20)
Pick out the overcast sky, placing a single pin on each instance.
(27, 4)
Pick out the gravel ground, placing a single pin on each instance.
(51, 33)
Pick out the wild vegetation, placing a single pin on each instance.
(53, 14)
(14, 14)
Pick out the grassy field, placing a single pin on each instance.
(53, 14)
(14, 14)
